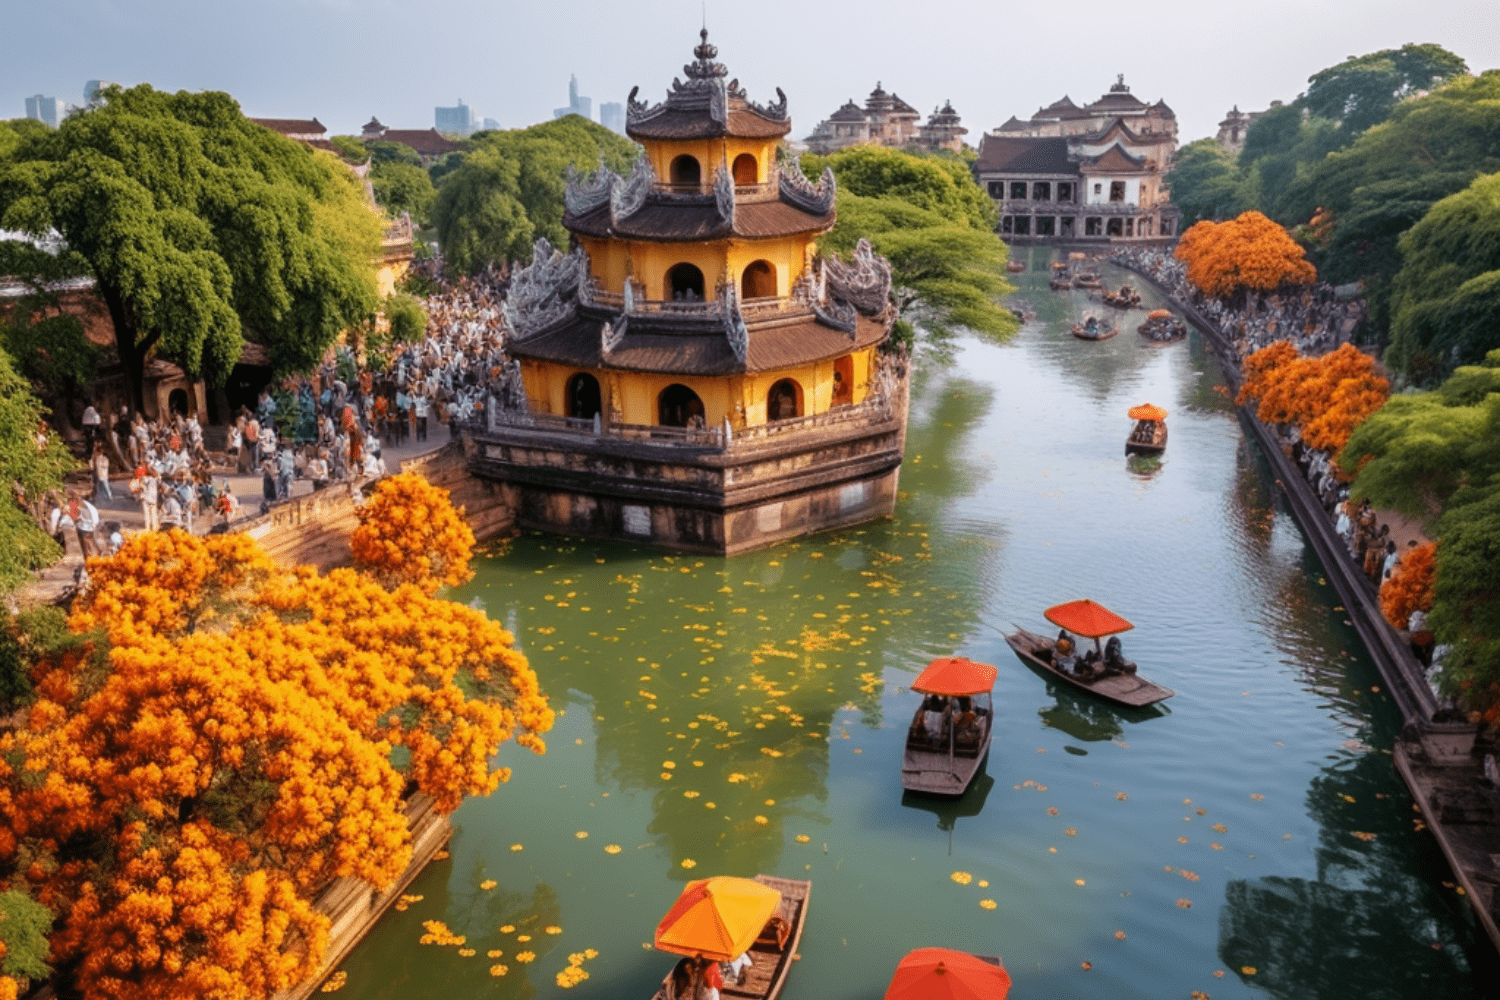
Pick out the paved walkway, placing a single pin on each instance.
(52, 581)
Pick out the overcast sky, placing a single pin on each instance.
(344, 60)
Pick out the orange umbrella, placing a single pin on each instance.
(1087, 618)
(1146, 411)
(717, 917)
(942, 974)
(1160, 314)
(954, 676)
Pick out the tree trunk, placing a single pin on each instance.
(132, 351)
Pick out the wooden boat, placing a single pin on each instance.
(1149, 436)
(1125, 298)
(1015, 267)
(772, 953)
(1162, 327)
(1115, 680)
(1094, 328)
(1088, 279)
(949, 737)
(1060, 281)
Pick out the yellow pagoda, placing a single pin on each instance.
(693, 343)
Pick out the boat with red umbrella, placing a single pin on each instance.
(945, 974)
(752, 926)
(1149, 436)
(1102, 671)
(949, 737)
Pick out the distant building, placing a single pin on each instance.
(583, 106)
(91, 90)
(490, 125)
(1074, 173)
(51, 110)
(457, 120)
(308, 130)
(612, 117)
(944, 130)
(428, 144)
(885, 120)
(1235, 126)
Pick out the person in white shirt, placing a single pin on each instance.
(150, 496)
(100, 465)
(374, 465)
(90, 425)
(171, 511)
(58, 523)
(86, 521)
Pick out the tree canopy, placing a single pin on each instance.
(935, 225)
(1445, 301)
(199, 227)
(403, 187)
(1249, 252)
(1206, 183)
(508, 189)
(1326, 397)
(1361, 91)
(222, 738)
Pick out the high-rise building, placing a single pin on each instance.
(456, 120)
(91, 92)
(490, 125)
(51, 110)
(583, 106)
(612, 117)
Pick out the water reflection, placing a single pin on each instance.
(1144, 467)
(950, 810)
(1088, 718)
(1364, 927)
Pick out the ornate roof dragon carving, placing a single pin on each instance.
(797, 189)
(544, 292)
(586, 192)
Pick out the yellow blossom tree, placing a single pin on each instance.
(410, 532)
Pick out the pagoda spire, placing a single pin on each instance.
(705, 68)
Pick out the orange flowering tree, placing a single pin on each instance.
(1326, 397)
(1249, 252)
(1411, 586)
(181, 793)
(410, 532)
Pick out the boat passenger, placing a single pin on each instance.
(739, 966)
(1063, 650)
(1114, 658)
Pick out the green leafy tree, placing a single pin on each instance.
(406, 317)
(1466, 605)
(199, 226)
(47, 345)
(24, 926)
(1361, 91)
(935, 225)
(508, 190)
(1385, 182)
(30, 473)
(382, 152)
(1206, 183)
(403, 187)
(351, 148)
(1445, 302)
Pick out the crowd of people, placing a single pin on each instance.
(1315, 320)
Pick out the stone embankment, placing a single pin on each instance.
(1442, 763)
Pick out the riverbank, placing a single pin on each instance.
(1442, 764)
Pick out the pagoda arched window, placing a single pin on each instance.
(746, 169)
(584, 399)
(784, 401)
(679, 406)
(686, 171)
(758, 280)
(684, 283)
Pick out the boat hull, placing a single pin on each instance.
(1082, 334)
(1122, 689)
(769, 967)
(1155, 446)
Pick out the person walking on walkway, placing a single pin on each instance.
(85, 520)
(286, 466)
(100, 466)
(419, 407)
(90, 425)
(151, 501)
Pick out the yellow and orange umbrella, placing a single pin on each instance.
(717, 917)
(1147, 411)
(955, 675)
(1087, 618)
(943, 974)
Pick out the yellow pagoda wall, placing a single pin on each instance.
(711, 154)
(611, 260)
(635, 394)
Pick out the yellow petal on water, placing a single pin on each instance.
(553, 929)
(1051, 850)
(1071, 831)
(983, 883)
(1185, 904)
(1078, 881)
(709, 805)
(493, 953)
(962, 878)
(1182, 840)
(523, 938)
(517, 847)
(1247, 970)
(669, 765)
(488, 884)
(507, 928)
(526, 956)
(1121, 796)
(988, 904)
(1220, 828)
(761, 820)
(690, 794)
(1257, 796)
(612, 848)
(803, 838)
(1217, 846)
(770, 802)
(582, 835)
(689, 863)
(1052, 810)
(1119, 935)
(499, 970)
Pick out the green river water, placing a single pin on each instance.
(735, 716)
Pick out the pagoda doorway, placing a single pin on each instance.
(583, 397)
(746, 170)
(679, 406)
(784, 401)
(686, 172)
(758, 281)
(684, 283)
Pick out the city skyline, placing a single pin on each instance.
(1166, 51)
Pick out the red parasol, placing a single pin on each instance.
(943, 974)
(1087, 618)
(955, 676)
